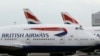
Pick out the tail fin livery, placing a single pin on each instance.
(31, 19)
(68, 19)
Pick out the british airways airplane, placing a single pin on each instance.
(22, 39)
(69, 20)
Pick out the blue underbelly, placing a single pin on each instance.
(53, 48)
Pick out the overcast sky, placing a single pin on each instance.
(48, 11)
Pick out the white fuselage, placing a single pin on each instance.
(94, 30)
(24, 35)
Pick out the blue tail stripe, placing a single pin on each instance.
(61, 34)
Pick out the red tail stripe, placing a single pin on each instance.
(75, 21)
(29, 16)
(68, 18)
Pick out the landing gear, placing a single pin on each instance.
(18, 54)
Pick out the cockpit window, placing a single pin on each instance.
(67, 23)
(76, 28)
(79, 28)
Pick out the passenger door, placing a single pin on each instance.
(62, 40)
(28, 41)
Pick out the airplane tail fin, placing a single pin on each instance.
(68, 19)
(31, 19)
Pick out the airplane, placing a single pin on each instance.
(23, 39)
(31, 19)
(69, 20)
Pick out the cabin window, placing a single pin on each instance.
(43, 39)
(92, 39)
(69, 39)
(75, 39)
(27, 39)
(76, 28)
(79, 28)
(61, 39)
(83, 39)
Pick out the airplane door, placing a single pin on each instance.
(28, 41)
(62, 40)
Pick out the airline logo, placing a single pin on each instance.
(67, 19)
(62, 33)
(30, 17)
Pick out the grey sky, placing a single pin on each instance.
(48, 11)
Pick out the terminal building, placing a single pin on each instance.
(96, 19)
